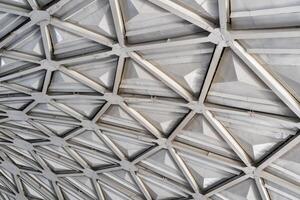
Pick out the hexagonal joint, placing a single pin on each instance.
(38, 16)
(16, 115)
(10, 167)
(19, 196)
(196, 106)
(90, 173)
(58, 141)
(251, 171)
(89, 125)
(50, 175)
(163, 143)
(40, 97)
(23, 144)
(113, 98)
(198, 196)
(50, 65)
(128, 166)
(216, 36)
(119, 50)
(257, 173)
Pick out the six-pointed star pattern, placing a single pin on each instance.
(149, 99)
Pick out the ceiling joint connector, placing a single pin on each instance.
(216, 36)
(90, 173)
(23, 144)
(89, 125)
(251, 172)
(17, 115)
(39, 97)
(196, 106)
(128, 166)
(39, 16)
(119, 50)
(164, 143)
(10, 167)
(113, 99)
(199, 196)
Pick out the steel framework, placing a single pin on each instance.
(149, 99)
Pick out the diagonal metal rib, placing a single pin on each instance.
(264, 75)
(33, 4)
(11, 36)
(81, 78)
(82, 32)
(47, 44)
(228, 138)
(162, 76)
(185, 14)
(211, 72)
(14, 10)
(118, 21)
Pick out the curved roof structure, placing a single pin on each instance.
(149, 99)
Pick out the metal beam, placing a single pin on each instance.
(86, 57)
(12, 35)
(261, 188)
(273, 51)
(224, 13)
(228, 138)
(46, 38)
(202, 154)
(265, 33)
(183, 168)
(37, 187)
(76, 9)
(162, 76)
(141, 185)
(99, 192)
(185, 13)
(118, 21)
(138, 117)
(261, 116)
(279, 181)
(82, 32)
(82, 79)
(33, 4)
(21, 56)
(21, 73)
(211, 72)
(111, 145)
(29, 107)
(119, 72)
(47, 81)
(102, 110)
(266, 76)
(265, 12)
(14, 10)
(146, 154)
(225, 185)
(151, 177)
(284, 148)
(57, 5)
(67, 110)
(73, 189)
(181, 125)
(169, 43)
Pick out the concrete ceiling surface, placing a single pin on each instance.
(149, 99)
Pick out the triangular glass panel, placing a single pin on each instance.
(140, 19)
(243, 127)
(136, 80)
(237, 86)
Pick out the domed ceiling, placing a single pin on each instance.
(149, 99)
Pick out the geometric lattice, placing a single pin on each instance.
(149, 99)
